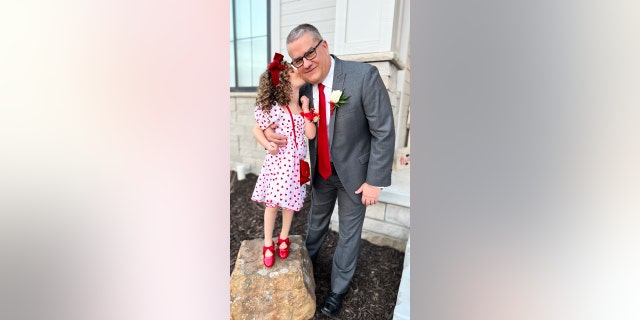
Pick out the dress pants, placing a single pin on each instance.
(324, 194)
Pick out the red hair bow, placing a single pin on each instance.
(275, 67)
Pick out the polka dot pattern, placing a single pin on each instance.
(278, 184)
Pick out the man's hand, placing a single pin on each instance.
(370, 194)
(272, 148)
(279, 139)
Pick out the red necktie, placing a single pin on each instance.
(324, 161)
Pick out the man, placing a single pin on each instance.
(352, 153)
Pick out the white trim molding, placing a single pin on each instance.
(365, 26)
(274, 27)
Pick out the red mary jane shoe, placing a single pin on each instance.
(268, 261)
(283, 253)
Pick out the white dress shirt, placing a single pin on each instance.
(328, 88)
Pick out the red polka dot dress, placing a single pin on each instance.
(279, 182)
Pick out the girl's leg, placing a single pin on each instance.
(269, 223)
(283, 237)
(287, 218)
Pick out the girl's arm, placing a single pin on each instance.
(269, 146)
(309, 127)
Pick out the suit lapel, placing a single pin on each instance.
(307, 90)
(338, 84)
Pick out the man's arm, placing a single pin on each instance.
(269, 146)
(380, 117)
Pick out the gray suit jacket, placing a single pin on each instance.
(361, 131)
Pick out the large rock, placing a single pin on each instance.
(284, 291)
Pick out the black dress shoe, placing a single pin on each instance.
(332, 304)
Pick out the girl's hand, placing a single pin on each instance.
(272, 148)
(305, 103)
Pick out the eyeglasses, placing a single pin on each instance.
(309, 55)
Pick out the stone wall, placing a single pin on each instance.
(387, 223)
(244, 148)
(384, 225)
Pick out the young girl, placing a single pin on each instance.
(278, 185)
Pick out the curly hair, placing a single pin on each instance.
(268, 95)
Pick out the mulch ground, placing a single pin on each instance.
(374, 288)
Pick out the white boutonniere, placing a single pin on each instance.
(337, 99)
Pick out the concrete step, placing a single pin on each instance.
(398, 193)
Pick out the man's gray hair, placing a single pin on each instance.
(300, 30)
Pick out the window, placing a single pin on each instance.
(249, 42)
